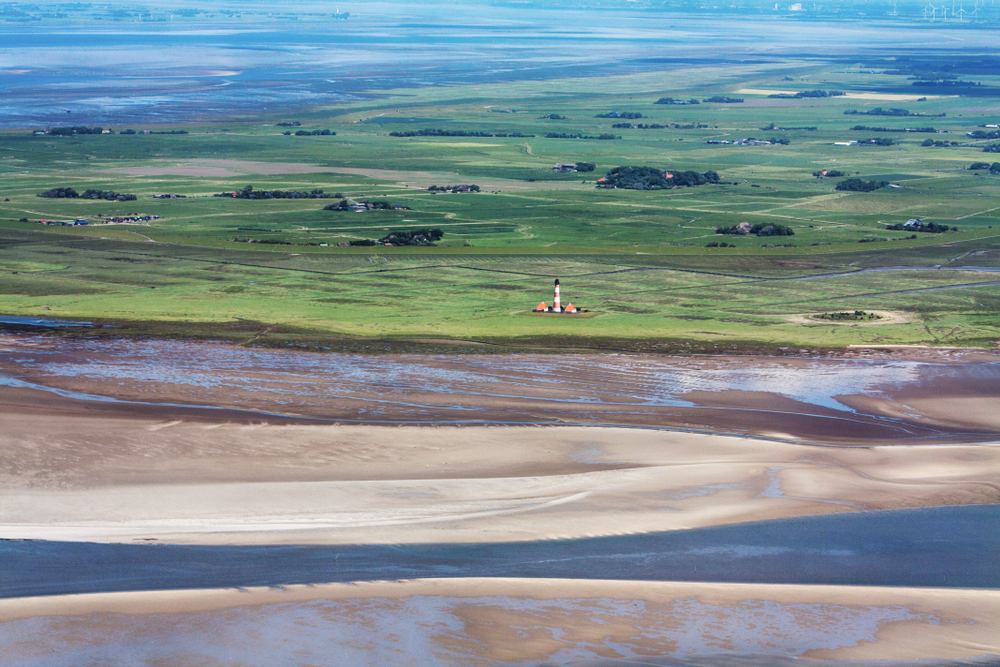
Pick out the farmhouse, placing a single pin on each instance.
(913, 223)
(564, 167)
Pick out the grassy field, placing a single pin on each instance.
(637, 260)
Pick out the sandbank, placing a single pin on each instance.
(105, 478)
(503, 621)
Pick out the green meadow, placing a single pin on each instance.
(637, 260)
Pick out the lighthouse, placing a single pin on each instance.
(557, 305)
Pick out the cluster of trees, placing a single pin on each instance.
(992, 148)
(552, 116)
(585, 166)
(70, 193)
(939, 144)
(652, 178)
(346, 205)
(417, 237)
(782, 141)
(60, 193)
(759, 229)
(980, 134)
(70, 131)
(563, 135)
(807, 93)
(107, 195)
(721, 99)
(868, 128)
(879, 111)
(947, 83)
(772, 126)
(829, 173)
(470, 187)
(639, 126)
(929, 227)
(861, 185)
(454, 133)
(980, 165)
(857, 315)
(249, 193)
(720, 244)
(670, 100)
(627, 115)
(312, 133)
(876, 141)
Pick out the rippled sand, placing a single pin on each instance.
(502, 621)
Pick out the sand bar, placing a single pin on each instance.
(98, 477)
(503, 621)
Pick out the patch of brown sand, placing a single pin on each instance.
(103, 478)
(493, 621)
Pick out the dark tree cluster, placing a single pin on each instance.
(829, 173)
(868, 128)
(772, 126)
(857, 315)
(879, 111)
(313, 133)
(627, 115)
(807, 93)
(249, 193)
(70, 193)
(720, 244)
(60, 193)
(417, 237)
(861, 185)
(721, 99)
(980, 134)
(107, 195)
(939, 144)
(471, 187)
(72, 130)
(759, 229)
(653, 178)
(670, 100)
(975, 166)
(454, 133)
(992, 148)
(929, 227)
(638, 126)
(552, 116)
(876, 141)
(563, 135)
(585, 166)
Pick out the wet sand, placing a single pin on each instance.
(844, 402)
(100, 478)
(142, 442)
(504, 621)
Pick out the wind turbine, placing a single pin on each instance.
(961, 13)
(932, 9)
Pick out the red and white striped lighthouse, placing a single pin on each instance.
(555, 300)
